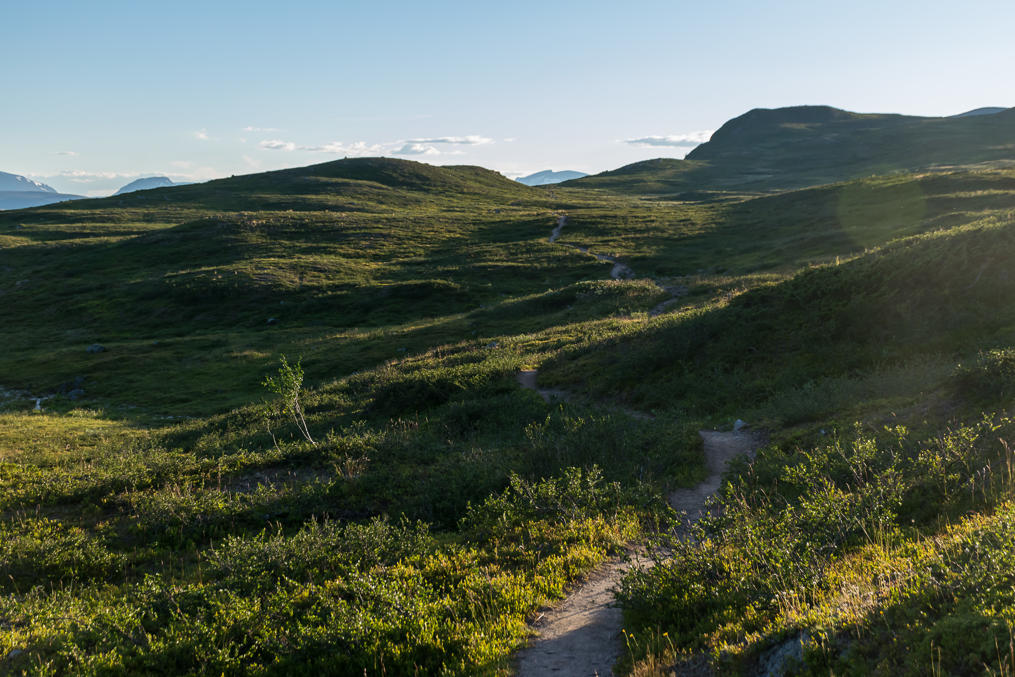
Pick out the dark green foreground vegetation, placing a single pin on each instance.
(152, 520)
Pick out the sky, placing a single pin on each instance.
(95, 94)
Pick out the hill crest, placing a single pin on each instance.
(767, 150)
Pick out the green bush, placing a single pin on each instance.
(43, 551)
(319, 551)
(575, 496)
(988, 380)
(785, 524)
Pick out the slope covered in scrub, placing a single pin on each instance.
(154, 508)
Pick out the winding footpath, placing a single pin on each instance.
(620, 270)
(581, 636)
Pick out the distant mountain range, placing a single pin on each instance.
(787, 148)
(148, 183)
(549, 176)
(18, 192)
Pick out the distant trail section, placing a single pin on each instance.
(619, 271)
(527, 379)
(561, 222)
(675, 292)
(580, 637)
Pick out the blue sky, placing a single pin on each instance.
(97, 93)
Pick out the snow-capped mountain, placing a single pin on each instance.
(22, 184)
(18, 192)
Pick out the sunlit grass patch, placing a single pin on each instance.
(44, 438)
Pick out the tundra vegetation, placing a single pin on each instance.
(414, 507)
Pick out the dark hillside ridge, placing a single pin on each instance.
(392, 173)
(760, 121)
(821, 135)
(353, 184)
(787, 148)
(988, 110)
(931, 294)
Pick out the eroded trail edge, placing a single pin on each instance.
(580, 637)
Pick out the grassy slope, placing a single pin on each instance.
(409, 290)
(190, 286)
(133, 542)
(859, 548)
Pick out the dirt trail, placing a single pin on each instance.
(619, 271)
(527, 379)
(720, 449)
(675, 292)
(561, 222)
(581, 636)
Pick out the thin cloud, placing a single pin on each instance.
(416, 149)
(267, 130)
(201, 135)
(185, 170)
(672, 141)
(276, 144)
(421, 147)
(81, 176)
(66, 152)
(339, 148)
(358, 148)
(471, 140)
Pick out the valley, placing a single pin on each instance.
(510, 389)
